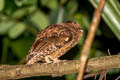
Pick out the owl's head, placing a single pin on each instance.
(73, 25)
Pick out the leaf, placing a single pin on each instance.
(5, 45)
(5, 26)
(70, 9)
(21, 46)
(114, 71)
(53, 4)
(2, 3)
(44, 2)
(70, 76)
(57, 15)
(28, 2)
(23, 12)
(10, 7)
(83, 19)
(111, 15)
(25, 2)
(19, 13)
(40, 20)
(16, 30)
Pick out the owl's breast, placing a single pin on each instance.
(49, 49)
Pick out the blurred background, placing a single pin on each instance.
(21, 20)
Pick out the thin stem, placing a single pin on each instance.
(89, 39)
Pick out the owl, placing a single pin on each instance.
(53, 42)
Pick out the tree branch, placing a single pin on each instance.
(90, 38)
(57, 69)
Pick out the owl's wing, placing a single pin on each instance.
(36, 49)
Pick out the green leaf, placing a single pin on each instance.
(2, 2)
(40, 20)
(23, 12)
(21, 46)
(5, 45)
(70, 9)
(111, 15)
(28, 2)
(70, 76)
(96, 53)
(113, 71)
(44, 2)
(10, 7)
(25, 2)
(19, 13)
(5, 26)
(53, 4)
(57, 15)
(16, 30)
(83, 19)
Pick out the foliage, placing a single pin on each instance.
(21, 20)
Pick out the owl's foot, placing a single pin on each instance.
(49, 59)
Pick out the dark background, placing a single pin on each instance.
(21, 20)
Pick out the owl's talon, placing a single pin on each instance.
(49, 59)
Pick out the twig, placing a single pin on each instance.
(109, 52)
(103, 74)
(118, 78)
(57, 69)
(91, 75)
(89, 39)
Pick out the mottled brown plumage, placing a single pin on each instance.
(54, 41)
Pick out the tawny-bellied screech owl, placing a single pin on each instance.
(54, 41)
